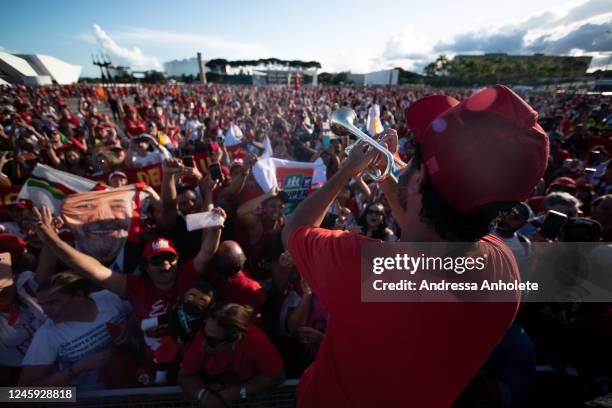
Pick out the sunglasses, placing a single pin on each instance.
(374, 212)
(159, 260)
(213, 342)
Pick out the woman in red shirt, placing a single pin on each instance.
(134, 126)
(230, 360)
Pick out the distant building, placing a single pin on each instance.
(285, 76)
(187, 66)
(261, 74)
(385, 77)
(569, 66)
(37, 69)
(118, 71)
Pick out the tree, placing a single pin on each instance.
(154, 77)
(325, 78)
(340, 78)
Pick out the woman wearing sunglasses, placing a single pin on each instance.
(230, 360)
(373, 223)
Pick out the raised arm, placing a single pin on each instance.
(246, 209)
(389, 186)
(4, 180)
(298, 316)
(210, 242)
(312, 210)
(171, 169)
(77, 261)
(363, 187)
(237, 184)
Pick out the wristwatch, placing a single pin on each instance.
(243, 392)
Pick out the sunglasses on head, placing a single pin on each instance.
(158, 260)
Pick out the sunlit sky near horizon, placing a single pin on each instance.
(359, 36)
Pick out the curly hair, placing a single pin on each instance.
(450, 224)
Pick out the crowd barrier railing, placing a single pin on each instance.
(173, 397)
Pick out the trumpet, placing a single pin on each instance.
(343, 123)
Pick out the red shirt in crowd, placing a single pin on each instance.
(240, 289)
(149, 301)
(134, 127)
(401, 354)
(254, 355)
(71, 120)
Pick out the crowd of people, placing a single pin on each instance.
(224, 311)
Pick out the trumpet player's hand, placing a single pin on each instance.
(358, 160)
(389, 139)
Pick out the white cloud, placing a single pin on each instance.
(407, 44)
(133, 56)
(86, 38)
(572, 28)
(567, 30)
(406, 49)
(212, 46)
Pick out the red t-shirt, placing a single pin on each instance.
(134, 127)
(240, 289)
(393, 354)
(254, 355)
(149, 301)
(71, 120)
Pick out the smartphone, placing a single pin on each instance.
(188, 161)
(215, 171)
(552, 224)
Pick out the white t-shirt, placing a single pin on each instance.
(151, 158)
(15, 338)
(292, 300)
(67, 342)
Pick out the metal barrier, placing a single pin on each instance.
(173, 397)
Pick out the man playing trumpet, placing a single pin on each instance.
(473, 159)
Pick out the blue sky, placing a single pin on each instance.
(359, 35)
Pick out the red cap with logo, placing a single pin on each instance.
(157, 246)
(488, 148)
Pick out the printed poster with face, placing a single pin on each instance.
(102, 221)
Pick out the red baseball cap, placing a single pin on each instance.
(13, 244)
(564, 181)
(157, 246)
(486, 149)
(22, 203)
